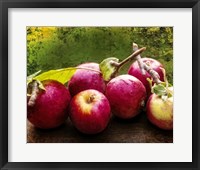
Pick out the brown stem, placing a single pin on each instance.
(129, 58)
(132, 56)
(144, 67)
(34, 94)
(139, 60)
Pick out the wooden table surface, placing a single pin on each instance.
(136, 130)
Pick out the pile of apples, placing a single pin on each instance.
(90, 101)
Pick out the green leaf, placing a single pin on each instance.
(166, 84)
(108, 68)
(159, 89)
(61, 75)
(30, 78)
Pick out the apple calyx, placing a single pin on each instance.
(91, 99)
(111, 66)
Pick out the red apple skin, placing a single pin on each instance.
(159, 112)
(86, 79)
(135, 71)
(126, 95)
(90, 116)
(50, 108)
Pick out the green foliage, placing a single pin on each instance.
(61, 47)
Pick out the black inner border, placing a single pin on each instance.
(6, 4)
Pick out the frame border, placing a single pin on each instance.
(6, 4)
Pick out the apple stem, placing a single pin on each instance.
(138, 58)
(34, 93)
(144, 67)
(131, 57)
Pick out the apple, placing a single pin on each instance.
(50, 106)
(90, 111)
(135, 71)
(160, 112)
(86, 79)
(126, 95)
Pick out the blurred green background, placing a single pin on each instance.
(60, 47)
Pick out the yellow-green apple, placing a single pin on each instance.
(160, 111)
(126, 95)
(135, 71)
(90, 111)
(50, 106)
(84, 79)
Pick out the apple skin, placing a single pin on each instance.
(50, 108)
(135, 71)
(160, 112)
(90, 111)
(126, 95)
(86, 79)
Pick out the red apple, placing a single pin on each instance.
(135, 71)
(86, 79)
(90, 111)
(160, 112)
(50, 106)
(126, 95)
